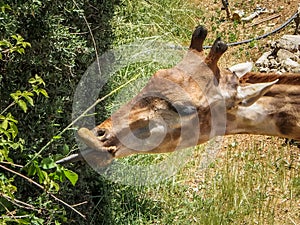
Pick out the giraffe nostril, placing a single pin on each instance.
(99, 132)
(102, 134)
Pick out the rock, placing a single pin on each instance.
(262, 59)
(283, 54)
(289, 62)
(282, 70)
(264, 70)
(290, 42)
(273, 63)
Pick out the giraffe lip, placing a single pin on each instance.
(94, 142)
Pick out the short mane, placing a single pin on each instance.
(288, 78)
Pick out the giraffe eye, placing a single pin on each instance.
(185, 110)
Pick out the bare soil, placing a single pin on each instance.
(212, 9)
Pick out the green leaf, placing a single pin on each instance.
(58, 174)
(31, 81)
(16, 95)
(22, 105)
(16, 37)
(11, 118)
(54, 185)
(31, 170)
(4, 152)
(72, 176)
(66, 149)
(25, 44)
(5, 6)
(44, 92)
(7, 134)
(21, 50)
(37, 221)
(13, 129)
(48, 163)
(6, 43)
(42, 175)
(4, 124)
(39, 80)
(57, 137)
(36, 80)
(29, 99)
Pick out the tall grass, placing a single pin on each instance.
(250, 182)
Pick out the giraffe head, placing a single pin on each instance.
(179, 107)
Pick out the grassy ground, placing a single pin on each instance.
(254, 180)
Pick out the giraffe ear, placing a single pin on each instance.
(241, 69)
(250, 93)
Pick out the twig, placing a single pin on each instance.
(41, 187)
(10, 105)
(92, 36)
(292, 221)
(12, 164)
(86, 32)
(7, 210)
(14, 217)
(81, 203)
(264, 20)
(19, 203)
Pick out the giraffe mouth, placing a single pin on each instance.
(98, 154)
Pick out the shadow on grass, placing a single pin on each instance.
(110, 203)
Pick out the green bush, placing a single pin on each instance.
(45, 47)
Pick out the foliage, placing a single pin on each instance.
(42, 44)
(10, 145)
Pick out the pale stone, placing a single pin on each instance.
(262, 59)
(291, 63)
(282, 54)
(290, 42)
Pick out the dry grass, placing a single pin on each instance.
(266, 149)
(270, 153)
(255, 164)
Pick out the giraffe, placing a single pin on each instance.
(191, 103)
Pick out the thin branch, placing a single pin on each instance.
(12, 164)
(92, 36)
(10, 105)
(14, 217)
(257, 22)
(7, 210)
(81, 203)
(86, 32)
(19, 203)
(41, 187)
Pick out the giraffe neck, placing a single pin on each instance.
(277, 113)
